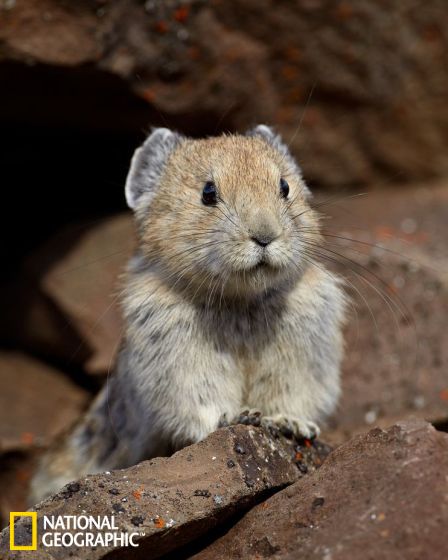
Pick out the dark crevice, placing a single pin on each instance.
(441, 425)
(204, 541)
(68, 135)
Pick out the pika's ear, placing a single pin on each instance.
(147, 165)
(271, 137)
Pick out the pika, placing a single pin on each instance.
(226, 309)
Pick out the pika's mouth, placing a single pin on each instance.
(262, 265)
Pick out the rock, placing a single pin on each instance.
(396, 340)
(381, 495)
(37, 402)
(79, 273)
(16, 468)
(175, 500)
(34, 323)
(354, 110)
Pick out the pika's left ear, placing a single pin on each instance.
(271, 137)
(147, 165)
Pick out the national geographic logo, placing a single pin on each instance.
(12, 541)
(68, 531)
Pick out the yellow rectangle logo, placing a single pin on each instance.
(12, 516)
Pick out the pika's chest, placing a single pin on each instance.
(246, 334)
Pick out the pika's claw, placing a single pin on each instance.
(249, 417)
(223, 421)
(291, 426)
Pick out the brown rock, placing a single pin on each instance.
(16, 469)
(396, 337)
(79, 273)
(377, 107)
(36, 402)
(381, 495)
(175, 500)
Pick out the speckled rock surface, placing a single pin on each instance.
(175, 500)
(381, 495)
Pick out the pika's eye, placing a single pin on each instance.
(209, 194)
(284, 188)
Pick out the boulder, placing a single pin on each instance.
(78, 273)
(382, 495)
(175, 500)
(357, 88)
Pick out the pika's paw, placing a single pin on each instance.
(291, 426)
(248, 417)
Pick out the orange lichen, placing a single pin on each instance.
(159, 522)
(181, 14)
(161, 26)
(384, 232)
(343, 11)
(290, 72)
(137, 494)
(299, 456)
(148, 95)
(444, 394)
(27, 438)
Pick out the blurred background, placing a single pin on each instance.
(358, 89)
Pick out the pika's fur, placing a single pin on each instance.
(224, 304)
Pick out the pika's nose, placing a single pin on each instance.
(263, 240)
(263, 227)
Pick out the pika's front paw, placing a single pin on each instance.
(248, 417)
(291, 426)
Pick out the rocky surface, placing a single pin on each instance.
(396, 340)
(373, 72)
(381, 495)
(175, 500)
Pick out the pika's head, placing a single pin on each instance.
(226, 215)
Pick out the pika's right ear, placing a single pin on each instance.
(147, 165)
